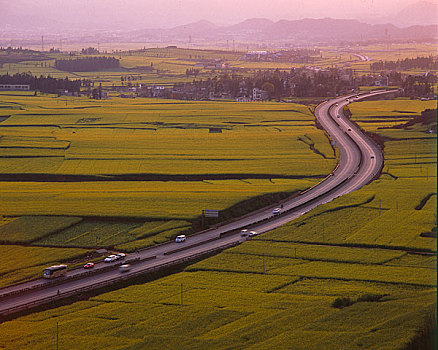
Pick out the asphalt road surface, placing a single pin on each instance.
(360, 160)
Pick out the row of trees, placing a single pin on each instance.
(90, 51)
(405, 64)
(130, 78)
(301, 82)
(43, 84)
(11, 49)
(192, 71)
(279, 84)
(87, 64)
(416, 86)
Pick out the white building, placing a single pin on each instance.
(13, 87)
(259, 94)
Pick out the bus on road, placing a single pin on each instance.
(55, 271)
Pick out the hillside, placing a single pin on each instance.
(304, 30)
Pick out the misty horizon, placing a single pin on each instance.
(83, 15)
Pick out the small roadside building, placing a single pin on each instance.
(14, 87)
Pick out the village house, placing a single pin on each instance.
(259, 95)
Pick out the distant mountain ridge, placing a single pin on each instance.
(303, 30)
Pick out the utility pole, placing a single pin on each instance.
(42, 43)
(427, 174)
(322, 232)
(181, 294)
(380, 206)
(57, 338)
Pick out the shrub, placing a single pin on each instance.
(340, 303)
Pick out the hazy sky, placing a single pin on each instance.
(133, 14)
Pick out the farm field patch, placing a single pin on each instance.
(27, 229)
(247, 310)
(150, 199)
(152, 133)
(150, 137)
(95, 233)
(18, 263)
(383, 212)
(316, 252)
(257, 295)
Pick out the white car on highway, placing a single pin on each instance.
(124, 267)
(120, 256)
(110, 258)
(276, 211)
(180, 238)
(252, 234)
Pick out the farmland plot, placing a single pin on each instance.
(258, 295)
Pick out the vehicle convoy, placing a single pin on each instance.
(55, 271)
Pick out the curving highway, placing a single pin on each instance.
(360, 161)
(361, 57)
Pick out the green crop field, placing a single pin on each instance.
(160, 137)
(224, 309)
(277, 290)
(168, 65)
(147, 139)
(92, 233)
(316, 252)
(19, 263)
(26, 229)
(147, 199)
(376, 246)
(376, 52)
(143, 137)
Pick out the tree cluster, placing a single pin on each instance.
(279, 84)
(418, 86)
(43, 84)
(407, 63)
(130, 78)
(192, 71)
(11, 49)
(90, 51)
(87, 64)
